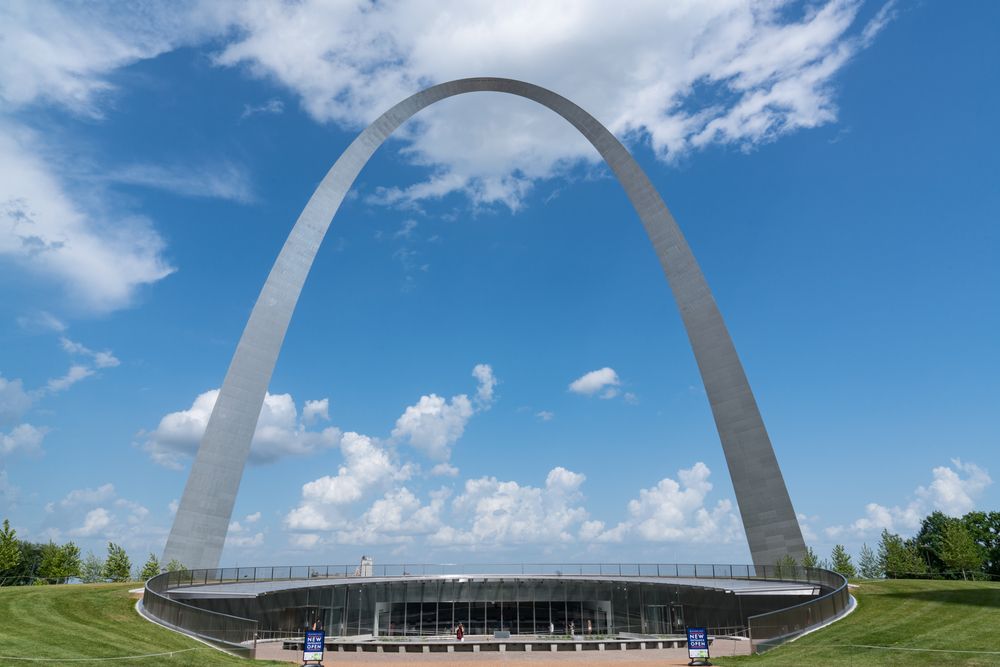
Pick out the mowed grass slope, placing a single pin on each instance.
(92, 621)
(902, 614)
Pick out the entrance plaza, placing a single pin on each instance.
(399, 608)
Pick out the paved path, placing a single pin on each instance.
(720, 647)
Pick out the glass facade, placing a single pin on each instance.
(414, 607)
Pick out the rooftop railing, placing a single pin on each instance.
(238, 634)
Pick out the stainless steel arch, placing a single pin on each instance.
(199, 530)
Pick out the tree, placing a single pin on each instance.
(59, 563)
(898, 559)
(868, 563)
(786, 567)
(810, 559)
(92, 569)
(842, 561)
(150, 569)
(117, 567)
(958, 551)
(175, 566)
(984, 527)
(10, 551)
(928, 539)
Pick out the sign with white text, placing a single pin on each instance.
(697, 643)
(313, 648)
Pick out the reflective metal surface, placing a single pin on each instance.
(199, 529)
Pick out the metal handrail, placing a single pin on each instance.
(210, 576)
(233, 632)
(774, 628)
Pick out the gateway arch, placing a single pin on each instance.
(199, 531)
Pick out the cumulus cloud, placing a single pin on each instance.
(505, 512)
(279, 432)
(76, 497)
(96, 522)
(673, 511)
(366, 466)
(953, 490)
(14, 400)
(698, 74)
(23, 438)
(603, 381)
(444, 470)
(434, 423)
(101, 514)
(314, 411)
(398, 516)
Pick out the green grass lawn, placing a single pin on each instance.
(901, 614)
(92, 621)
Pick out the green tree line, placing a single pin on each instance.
(966, 547)
(23, 563)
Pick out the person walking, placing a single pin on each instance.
(590, 627)
(460, 632)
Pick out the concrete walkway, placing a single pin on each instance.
(720, 647)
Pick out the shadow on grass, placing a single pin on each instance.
(958, 596)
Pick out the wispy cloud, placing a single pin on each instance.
(272, 107)
(219, 181)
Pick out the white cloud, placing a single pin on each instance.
(505, 512)
(239, 536)
(223, 180)
(78, 371)
(444, 470)
(397, 516)
(545, 415)
(316, 410)
(60, 54)
(949, 492)
(952, 493)
(75, 373)
(99, 258)
(76, 497)
(279, 431)
(304, 540)
(41, 321)
(697, 73)
(97, 521)
(604, 380)
(100, 514)
(14, 400)
(434, 424)
(406, 230)
(366, 466)
(675, 511)
(23, 438)
(252, 518)
(272, 107)
(487, 383)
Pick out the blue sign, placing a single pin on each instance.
(697, 643)
(313, 648)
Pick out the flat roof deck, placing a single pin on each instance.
(248, 589)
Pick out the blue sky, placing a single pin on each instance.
(486, 362)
